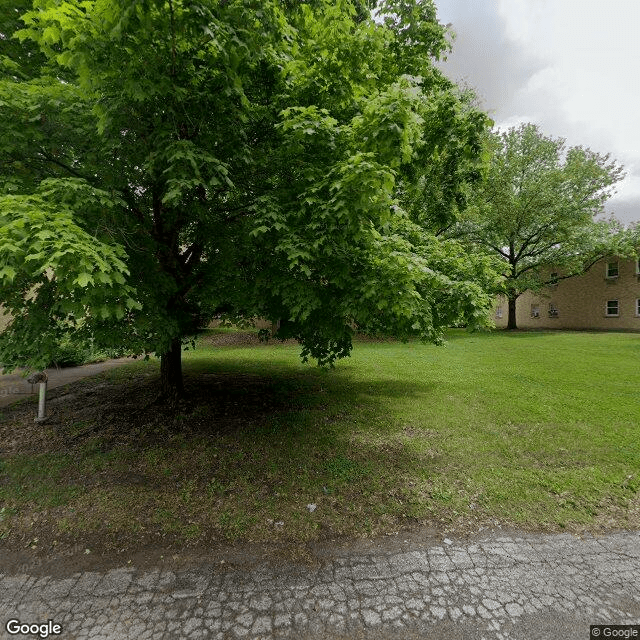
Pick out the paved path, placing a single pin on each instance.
(14, 387)
(520, 587)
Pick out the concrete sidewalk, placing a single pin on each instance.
(496, 587)
(14, 387)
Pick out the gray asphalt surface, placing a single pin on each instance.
(497, 587)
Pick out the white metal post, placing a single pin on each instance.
(42, 401)
(41, 379)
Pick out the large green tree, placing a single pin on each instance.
(535, 210)
(165, 161)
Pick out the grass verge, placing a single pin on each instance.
(536, 430)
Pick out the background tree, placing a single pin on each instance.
(169, 160)
(535, 207)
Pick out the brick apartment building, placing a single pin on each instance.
(605, 297)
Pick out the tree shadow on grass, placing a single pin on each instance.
(261, 401)
(250, 445)
(276, 401)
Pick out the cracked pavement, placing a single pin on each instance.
(500, 586)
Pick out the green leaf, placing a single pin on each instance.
(84, 279)
(8, 272)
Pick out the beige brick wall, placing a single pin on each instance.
(259, 323)
(4, 319)
(581, 302)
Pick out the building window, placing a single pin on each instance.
(612, 269)
(553, 310)
(553, 279)
(638, 307)
(535, 311)
(638, 266)
(613, 308)
(499, 312)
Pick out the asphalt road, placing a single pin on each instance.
(497, 587)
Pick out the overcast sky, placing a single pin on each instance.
(570, 66)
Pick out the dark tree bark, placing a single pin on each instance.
(171, 384)
(511, 322)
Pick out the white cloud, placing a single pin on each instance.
(570, 66)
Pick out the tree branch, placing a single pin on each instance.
(157, 215)
(535, 254)
(129, 199)
(576, 273)
(528, 268)
(442, 230)
(49, 158)
(173, 41)
(492, 247)
(530, 240)
(192, 256)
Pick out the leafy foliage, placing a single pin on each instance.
(171, 160)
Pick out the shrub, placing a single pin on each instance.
(69, 353)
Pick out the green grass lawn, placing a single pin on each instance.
(538, 430)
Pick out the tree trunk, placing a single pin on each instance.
(511, 323)
(171, 386)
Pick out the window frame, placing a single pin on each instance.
(608, 275)
(606, 308)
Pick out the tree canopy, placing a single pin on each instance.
(165, 161)
(536, 206)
